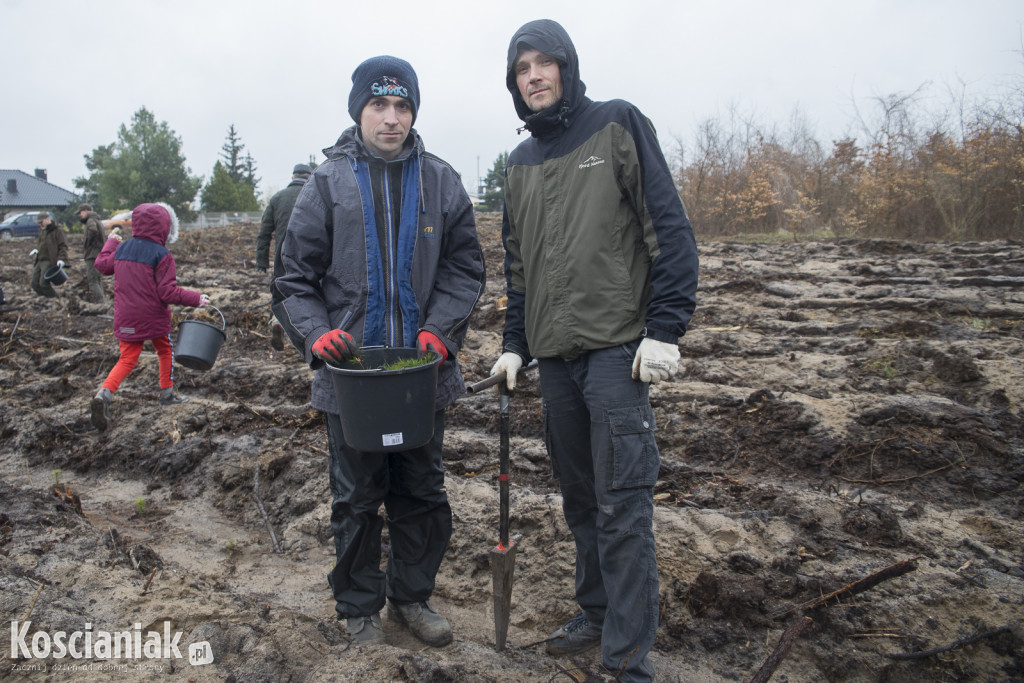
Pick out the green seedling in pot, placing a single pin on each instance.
(406, 363)
(400, 364)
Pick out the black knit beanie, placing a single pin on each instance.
(383, 75)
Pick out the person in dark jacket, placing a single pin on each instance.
(382, 250)
(52, 250)
(91, 247)
(145, 282)
(601, 275)
(273, 225)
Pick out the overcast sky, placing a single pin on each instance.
(280, 71)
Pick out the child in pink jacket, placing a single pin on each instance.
(145, 282)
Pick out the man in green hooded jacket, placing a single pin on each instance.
(601, 274)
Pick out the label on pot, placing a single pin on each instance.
(392, 439)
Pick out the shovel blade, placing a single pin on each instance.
(503, 565)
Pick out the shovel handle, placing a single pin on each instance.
(485, 383)
(495, 379)
(504, 467)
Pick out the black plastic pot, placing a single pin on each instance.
(384, 411)
(199, 342)
(55, 275)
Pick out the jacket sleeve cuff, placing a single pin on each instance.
(660, 335)
(314, 362)
(452, 347)
(522, 353)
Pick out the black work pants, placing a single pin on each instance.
(410, 484)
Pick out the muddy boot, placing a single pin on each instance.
(169, 398)
(575, 636)
(423, 621)
(100, 407)
(277, 336)
(365, 631)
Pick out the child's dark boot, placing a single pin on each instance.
(100, 407)
(169, 398)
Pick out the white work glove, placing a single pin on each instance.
(203, 299)
(116, 234)
(33, 252)
(655, 361)
(510, 363)
(60, 264)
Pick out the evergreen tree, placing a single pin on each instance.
(249, 174)
(224, 194)
(494, 184)
(231, 153)
(247, 200)
(221, 193)
(144, 165)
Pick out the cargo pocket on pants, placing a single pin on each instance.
(634, 451)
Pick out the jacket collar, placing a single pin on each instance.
(350, 144)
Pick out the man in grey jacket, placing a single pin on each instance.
(381, 250)
(601, 273)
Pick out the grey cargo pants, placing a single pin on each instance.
(599, 429)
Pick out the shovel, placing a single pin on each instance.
(503, 556)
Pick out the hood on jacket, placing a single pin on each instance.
(548, 37)
(155, 222)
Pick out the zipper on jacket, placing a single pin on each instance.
(390, 284)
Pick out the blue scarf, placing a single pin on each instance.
(375, 331)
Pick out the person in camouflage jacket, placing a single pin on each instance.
(52, 250)
(94, 240)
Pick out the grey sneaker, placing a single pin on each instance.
(100, 407)
(277, 336)
(169, 398)
(423, 621)
(365, 630)
(575, 636)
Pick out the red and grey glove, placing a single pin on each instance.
(428, 341)
(336, 346)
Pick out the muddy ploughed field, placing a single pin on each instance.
(846, 410)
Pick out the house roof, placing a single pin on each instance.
(30, 191)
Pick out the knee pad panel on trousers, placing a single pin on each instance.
(629, 514)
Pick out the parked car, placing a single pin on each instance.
(21, 225)
(121, 219)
